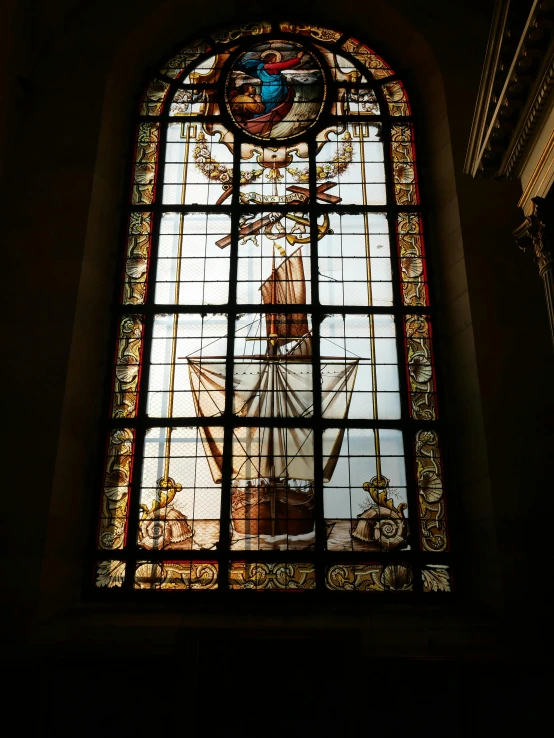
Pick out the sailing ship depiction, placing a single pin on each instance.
(273, 467)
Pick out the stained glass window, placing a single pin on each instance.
(274, 421)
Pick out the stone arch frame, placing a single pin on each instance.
(96, 283)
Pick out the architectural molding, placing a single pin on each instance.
(527, 130)
(541, 179)
(517, 79)
(492, 55)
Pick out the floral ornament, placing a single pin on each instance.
(203, 575)
(185, 99)
(176, 575)
(426, 444)
(118, 466)
(138, 251)
(131, 325)
(117, 478)
(143, 189)
(110, 574)
(368, 58)
(340, 577)
(127, 368)
(107, 539)
(436, 579)
(410, 245)
(432, 511)
(408, 223)
(318, 32)
(282, 576)
(250, 175)
(139, 247)
(147, 141)
(365, 101)
(140, 223)
(121, 437)
(369, 577)
(145, 167)
(211, 169)
(420, 368)
(208, 166)
(401, 146)
(338, 164)
(402, 134)
(404, 174)
(416, 324)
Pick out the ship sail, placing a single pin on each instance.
(286, 285)
(278, 384)
(291, 387)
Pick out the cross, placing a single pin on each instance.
(320, 193)
(257, 225)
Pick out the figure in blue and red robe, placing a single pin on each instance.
(274, 92)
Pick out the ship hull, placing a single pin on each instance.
(273, 510)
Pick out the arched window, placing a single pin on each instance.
(274, 418)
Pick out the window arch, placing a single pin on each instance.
(263, 433)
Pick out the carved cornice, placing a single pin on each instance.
(533, 233)
(529, 122)
(517, 79)
(484, 96)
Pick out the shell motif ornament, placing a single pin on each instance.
(412, 266)
(430, 486)
(167, 528)
(397, 577)
(420, 369)
(127, 369)
(136, 267)
(382, 523)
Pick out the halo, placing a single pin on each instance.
(271, 51)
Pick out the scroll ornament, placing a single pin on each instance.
(382, 522)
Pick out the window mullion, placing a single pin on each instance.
(227, 471)
(320, 527)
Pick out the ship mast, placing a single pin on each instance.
(361, 130)
(190, 135)
(272, 350)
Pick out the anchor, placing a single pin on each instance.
(254, 228)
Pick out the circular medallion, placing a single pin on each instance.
(275, 90)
